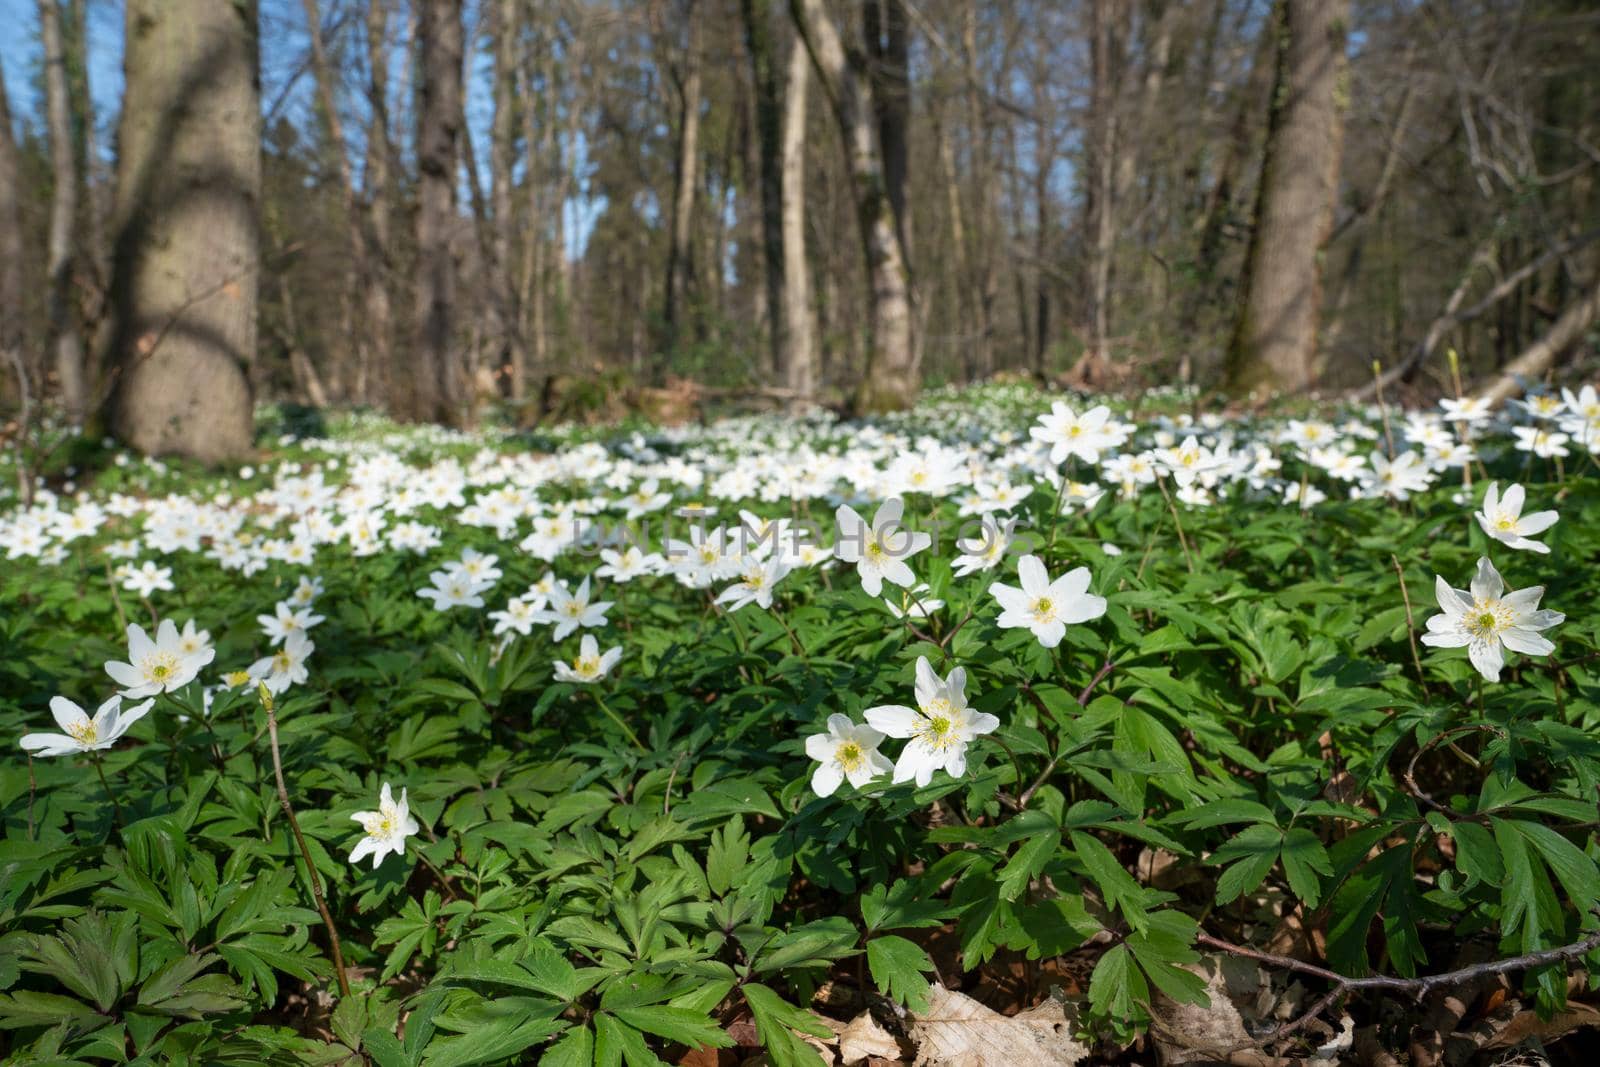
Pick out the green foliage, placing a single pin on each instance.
(578, 899)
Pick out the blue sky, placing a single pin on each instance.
(283, 78)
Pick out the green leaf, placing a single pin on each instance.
(776, 1020)
(1253, 852)
(1116, 988)
(1304, 858)
(616, 1043)
(574, 1050)
(900, 907)
(1530, 913)
(1027, 862)
(1477, 856)
(690, 1028)
(897, 967)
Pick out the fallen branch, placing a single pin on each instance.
(1453, 315)
(1416, 987)
(1565, 333)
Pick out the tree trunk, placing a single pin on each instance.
(186, 226)
(769, 91)
(434, 391)
(359, 276)
(372, 381)
(534, 284)
(1100, 185)
(502, 151)
(1274, 344)
(799, 353)
(984, 218)
(892, 374)
(65, 339)
(685, 189)
(11, 250)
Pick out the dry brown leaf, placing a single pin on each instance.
(1195, 1033)
(957, 1031)
(864, 1038)
(1526, 1024)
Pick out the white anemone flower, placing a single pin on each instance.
(940, 727)
(1046, 607)
(568, 611)
(158, 666)
(756, 583)
(848, 752)
(286, 620)
(589, 665)
(285, 667)
(1486, 618)
(879, 551)
(387, 828)
(1503, 520)
(80, 732)
(1070, 434)
(451, 590)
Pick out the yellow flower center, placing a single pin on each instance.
(573, 608)
(1486, 619)
(160, 666)
(588, 666)
(850, 756)
(84, 732)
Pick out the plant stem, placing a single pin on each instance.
(798, 647)
(305, 852)
(1411, 625)
(618, 720)
(1161, 483)
(99, 766)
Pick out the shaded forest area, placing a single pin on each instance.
(798, 200)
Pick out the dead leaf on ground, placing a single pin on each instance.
(863, 1039)
(1526, 1024)
(957, 1031)
(1196, 1033)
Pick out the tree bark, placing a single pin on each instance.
(799, 353)
(769, 102)
(1274, 345)
(892, 375)
(372, 381)
(1100, 185)
(359, 276)
(502, 151)
(11, 248)
(186, 226)
(984, 218)
(65, 339)
(434, 391)
(685, 187)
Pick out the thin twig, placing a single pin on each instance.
(305, 852)
(1446, 738)
(1416, 987)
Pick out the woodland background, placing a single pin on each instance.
(558, 208)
